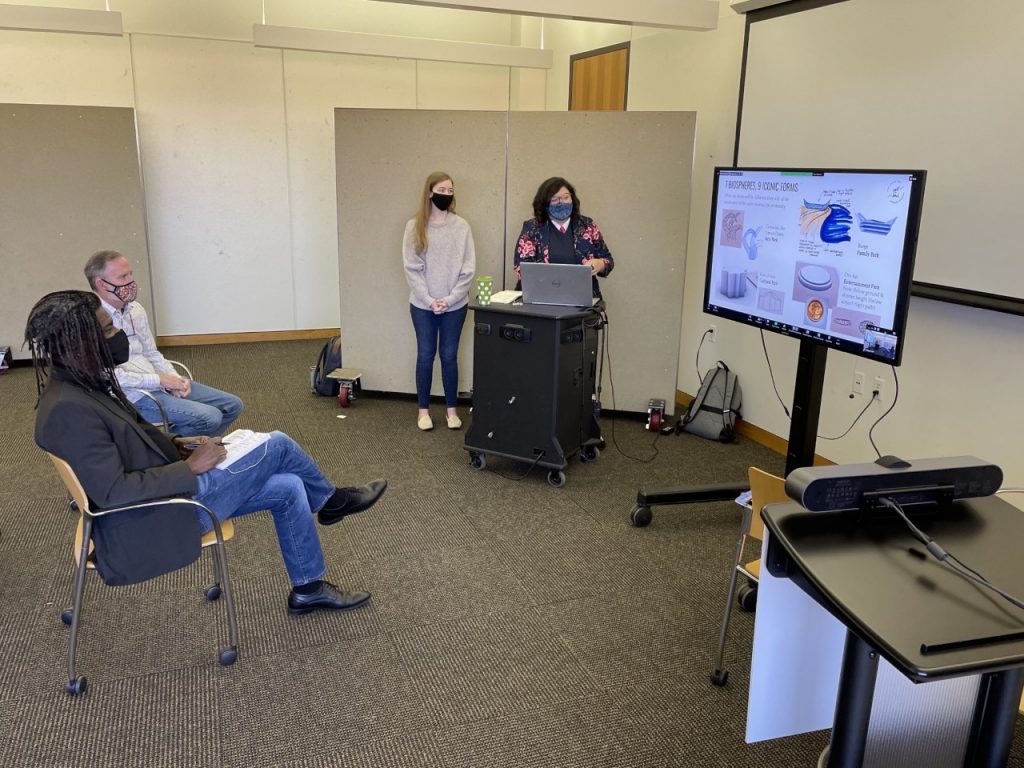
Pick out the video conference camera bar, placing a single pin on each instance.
(856, 486)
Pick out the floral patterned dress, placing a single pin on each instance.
(587, 241)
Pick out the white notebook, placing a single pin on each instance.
(505, 297)
(239, 443)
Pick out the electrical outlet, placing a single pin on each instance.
(879, 386)
(858, 382)
(712, 334)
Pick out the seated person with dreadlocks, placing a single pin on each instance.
(85, 418)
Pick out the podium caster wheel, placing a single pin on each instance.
(345, 397)
(227, 656)
(720, 677)
(746, 597)
(556, 477)
(477, 461)
(76, 687)
(590, 453)
(640, 516)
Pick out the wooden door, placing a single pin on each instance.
(598, 79)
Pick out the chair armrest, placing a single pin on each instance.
(164, 423)
(161, 502)
(183, 367)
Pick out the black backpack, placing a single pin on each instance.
(328, 359)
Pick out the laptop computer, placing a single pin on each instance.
(563, 285)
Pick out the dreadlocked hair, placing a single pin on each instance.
(63, 329)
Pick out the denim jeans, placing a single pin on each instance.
(281, 477)
(429, 327)
(206, 411)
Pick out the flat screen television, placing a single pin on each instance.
(819, 254)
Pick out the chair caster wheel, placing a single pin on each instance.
(640, 516)
(213, 593)
(77, 686)
(746, 597)
(67, 615)
(720, 677)
(227, 656)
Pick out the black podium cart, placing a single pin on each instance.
(534, 373)
(897, 601)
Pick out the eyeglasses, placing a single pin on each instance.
(561, 199)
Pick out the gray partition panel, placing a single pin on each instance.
(383, 159)
(69, 186)
(631, 171)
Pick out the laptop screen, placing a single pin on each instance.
(566, 285)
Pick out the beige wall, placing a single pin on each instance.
(237, 143)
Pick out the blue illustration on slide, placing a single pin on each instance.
(836, 227)
(832, 220)
(874, 226)
(750, 242)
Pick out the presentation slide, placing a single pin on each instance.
(812, 253)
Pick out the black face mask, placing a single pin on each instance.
(119, 349)
(442, 201)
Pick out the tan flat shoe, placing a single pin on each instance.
(454, 422)
(424, 422)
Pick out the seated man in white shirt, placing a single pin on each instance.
(193, 408)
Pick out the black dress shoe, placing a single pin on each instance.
(328, 597)
(356, 500)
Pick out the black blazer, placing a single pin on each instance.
(119, 463)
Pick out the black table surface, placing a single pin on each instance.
(874, 576)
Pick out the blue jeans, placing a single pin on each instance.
(281, 477)
(206, 411)
(429, 327)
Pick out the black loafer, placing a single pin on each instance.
(328, 597)
(356, 500)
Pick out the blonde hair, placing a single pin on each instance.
(423, 213)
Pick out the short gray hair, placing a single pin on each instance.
(97, 265)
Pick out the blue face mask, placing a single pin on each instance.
(560, 211)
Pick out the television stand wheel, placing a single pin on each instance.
(477, 460)
(720, 677)
(556, 477)
(746, 597)
(640, 515)
(76, 686)
(589, 453)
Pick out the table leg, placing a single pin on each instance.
(853, 704)
(994, 716)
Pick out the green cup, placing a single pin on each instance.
(483, 289)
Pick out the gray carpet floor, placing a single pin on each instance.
(511, 624)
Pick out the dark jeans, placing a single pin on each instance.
(429, 328)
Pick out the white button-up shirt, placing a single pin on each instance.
(145, 363)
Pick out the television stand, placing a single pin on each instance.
(803, 429)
